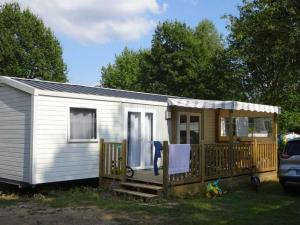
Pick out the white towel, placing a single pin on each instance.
(179, 158)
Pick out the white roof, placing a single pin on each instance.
(211, 104)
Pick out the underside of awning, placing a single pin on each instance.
(230, 105)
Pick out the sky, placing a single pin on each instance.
(93, 32)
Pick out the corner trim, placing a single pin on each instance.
(33, 153)
(18, 85)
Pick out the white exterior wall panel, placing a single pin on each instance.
(15, 131)
(57, 159)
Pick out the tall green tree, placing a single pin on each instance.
(181, 60)
(171, 65)
(207, 33)
(265, 43)
(220, 78)
(124, 72)
(27, 48)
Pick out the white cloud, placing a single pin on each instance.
(97, 21)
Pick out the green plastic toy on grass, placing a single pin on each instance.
(213, 189)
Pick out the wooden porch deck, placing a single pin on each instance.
(207, 162)
(147, 176)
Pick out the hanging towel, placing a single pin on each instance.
(179, 158)
(157, 154)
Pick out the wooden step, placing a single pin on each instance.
(135, 193)
(154, 181)
(142, 186)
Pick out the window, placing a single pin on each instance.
(225, 127)
(260, 127)
(247, 126)
(83, 124)
(183, 129)
(188, 128)
(194, 129)
(293, 148)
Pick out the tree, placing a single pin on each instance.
(27, 48)
(180, 61)
(220, 78)
(170, 65)
(265, 42)
(207, 33)
(124, 72)
(225, 81)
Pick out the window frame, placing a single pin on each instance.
(188, 118)
(70, 140)
(225, 113)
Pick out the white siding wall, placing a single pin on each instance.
(59, 160)
(15, 130)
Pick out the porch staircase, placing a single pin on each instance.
(136, 189)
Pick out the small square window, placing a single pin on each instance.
(83, 124)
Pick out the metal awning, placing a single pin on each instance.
(230, 105)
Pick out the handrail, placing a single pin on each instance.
(210, 161)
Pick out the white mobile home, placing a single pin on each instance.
(50, 132)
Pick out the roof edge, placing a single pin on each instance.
(90, 86)
(99, 98)
(18, 85)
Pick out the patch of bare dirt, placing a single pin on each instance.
(34, 214)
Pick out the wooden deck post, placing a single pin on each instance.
(276, 141)
(101, 159)
(174, 124)
(202, 162)
(165, 168)
(217, 125)
(255, 154)
(124, 159)
(231, 154)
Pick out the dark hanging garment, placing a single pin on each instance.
(157, 154)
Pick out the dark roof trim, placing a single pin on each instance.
(88, 90)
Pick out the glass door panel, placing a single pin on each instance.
(194, 129)
(182, 129)
(148, 146)
(134, 139)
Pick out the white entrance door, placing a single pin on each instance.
(140, 138)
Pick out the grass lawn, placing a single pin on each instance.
(243, 206)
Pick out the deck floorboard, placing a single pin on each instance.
(147, 176)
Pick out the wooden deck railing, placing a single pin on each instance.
(217, 161)
(207, 161)
(194, 174)
(112, 159)
(265, 156)
(210, 161)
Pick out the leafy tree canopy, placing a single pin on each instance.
(173, 62)
(27, 48)
(265, 45)
(124, 72)
(260, 62)
(179, 62)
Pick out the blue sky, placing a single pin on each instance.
(92, 32)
